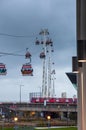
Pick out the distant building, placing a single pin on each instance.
(35, 94)
(64, 95)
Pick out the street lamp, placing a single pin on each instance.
(48, 118)
(20, 92)
(15, 120)
(40, 91)
(67, 114)
(3, 117)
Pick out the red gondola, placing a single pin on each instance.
(42, 55)
(51, 42)
(48, 42)
(27, 70)
(37, 41)
(27, 55)
(3, 70)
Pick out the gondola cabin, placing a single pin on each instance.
(37, 41)
(3, 70)
(42, 55)
(27, 55)
(27, 70)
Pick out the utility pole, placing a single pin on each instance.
(20, 92)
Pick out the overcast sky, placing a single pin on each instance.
(27, 18)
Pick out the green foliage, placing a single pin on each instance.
(29, 128)
(66, 128)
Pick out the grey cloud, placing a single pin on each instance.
(27, 17)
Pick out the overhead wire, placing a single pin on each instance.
(13, 54)
(16, 36)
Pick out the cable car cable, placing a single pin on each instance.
(17, 36)
(5, 53)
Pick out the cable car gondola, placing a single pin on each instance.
(27, 55)
(37, 41)
(42, 55)
(3, 70)
(27, 70)
(49, 42)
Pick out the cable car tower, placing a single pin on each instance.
(45, 55)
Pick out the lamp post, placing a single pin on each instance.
(67, 114)
(3, 117)
(15, 120)
(40, 91)
(48, 118)
(20, 92)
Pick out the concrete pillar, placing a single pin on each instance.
(61, 115)
(84, 97)
(81, 37)
(80, 97)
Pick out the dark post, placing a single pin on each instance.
(81, 54)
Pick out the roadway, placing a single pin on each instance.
(52, 107)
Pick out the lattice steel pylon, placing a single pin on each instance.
(45, 55)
